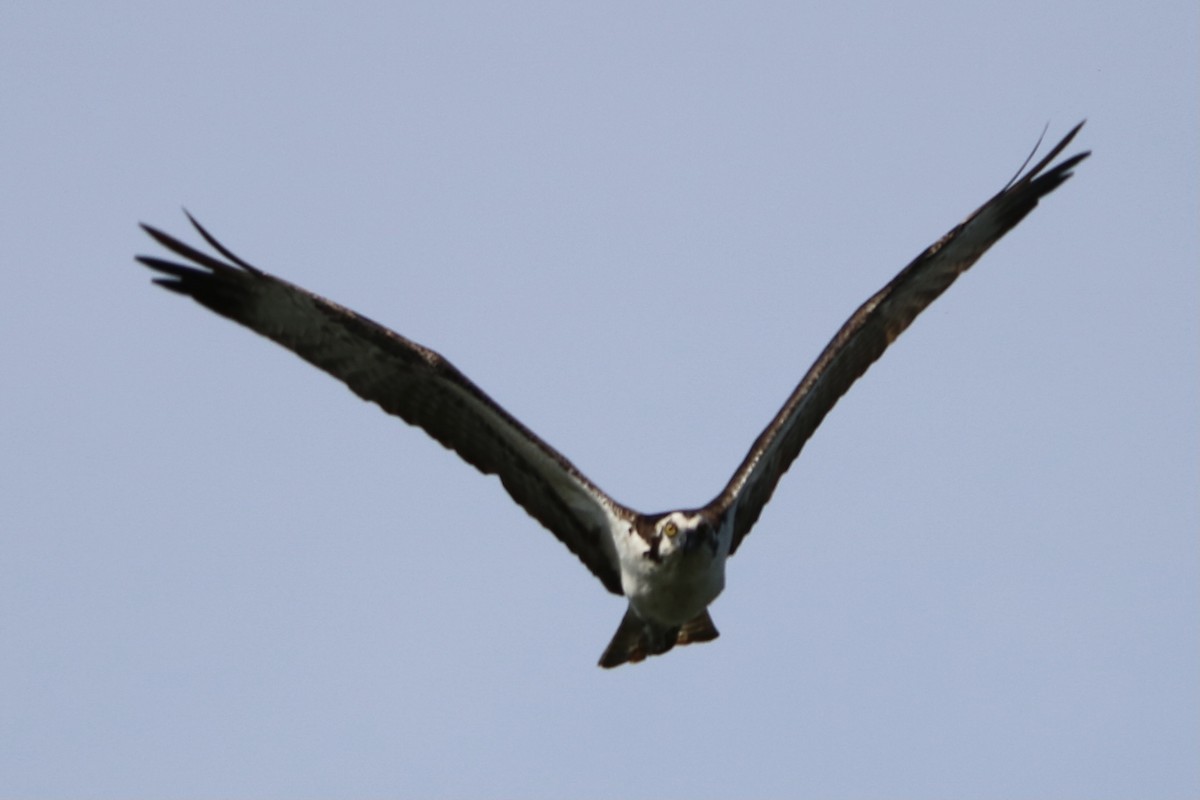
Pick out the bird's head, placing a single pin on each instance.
(682, 533)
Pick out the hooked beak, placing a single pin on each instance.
(699, 538)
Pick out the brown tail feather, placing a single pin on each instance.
(698, 629)
(635, 638)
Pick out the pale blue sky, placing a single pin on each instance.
(223, 575)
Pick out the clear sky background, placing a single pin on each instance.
(635, 225)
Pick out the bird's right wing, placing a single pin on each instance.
(409, 381)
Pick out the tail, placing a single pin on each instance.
(636, 638)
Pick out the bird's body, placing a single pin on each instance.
(670, 566)
(673, 577)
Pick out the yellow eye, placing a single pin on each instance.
(670, 530)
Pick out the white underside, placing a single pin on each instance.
(676, 589)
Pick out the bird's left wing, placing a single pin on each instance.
(872, 328)
(409, 381)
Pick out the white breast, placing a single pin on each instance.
(675, 588)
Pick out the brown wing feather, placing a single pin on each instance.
(409, 381)
(874, 326)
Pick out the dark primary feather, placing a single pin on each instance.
(874, 326)
(407, 380)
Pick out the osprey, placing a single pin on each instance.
(670, 565)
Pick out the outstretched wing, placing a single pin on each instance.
(873, 327)
(409, 381)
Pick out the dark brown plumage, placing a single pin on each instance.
(669, 565)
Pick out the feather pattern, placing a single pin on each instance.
(407, 380)
(872, 328)
(671, 566)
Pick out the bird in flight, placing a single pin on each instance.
(669, 565)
